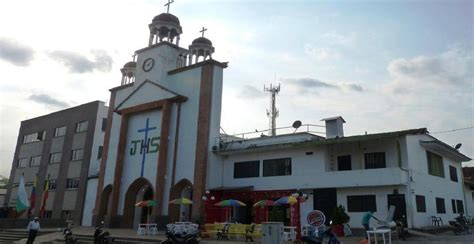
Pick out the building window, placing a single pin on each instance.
(52, 185)
(67, 215)
(99, 152)
(72, 183)
(47, 214)
(375, 160)
(60, 131)
(276, 167)
(81, 126)
(420, 204)
(344, 163)
(34, 137)
(55, 157)
(440, 208)
(77, 154)
(435, 164)
(23, 162)
(246, 169)
(104, 124)
(453, 205)
(460, 205)
(361, 203)
(453, 174)
(35, 161)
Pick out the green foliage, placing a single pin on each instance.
(339, 215)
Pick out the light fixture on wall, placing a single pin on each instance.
(205, 198)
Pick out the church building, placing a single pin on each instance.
(162, 142)
(161, 122)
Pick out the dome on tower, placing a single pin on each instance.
(130, 64)
(202, 40)
(165, 27)
(167, 17)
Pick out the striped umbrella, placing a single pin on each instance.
(264, 203)
(287, 200)
(180, 201)
(148, 203)
(230, 203)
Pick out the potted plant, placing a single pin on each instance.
(339, 217)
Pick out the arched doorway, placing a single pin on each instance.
(105, 204)
(140, 190)
(183, 188)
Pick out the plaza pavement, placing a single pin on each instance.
(419, 238)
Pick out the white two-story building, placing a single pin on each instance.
(411, 170)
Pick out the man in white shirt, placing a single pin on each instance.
(33, 228)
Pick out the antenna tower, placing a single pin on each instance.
(273, 112)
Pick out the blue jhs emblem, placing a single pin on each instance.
(146, 145)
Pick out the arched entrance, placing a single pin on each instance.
(139, 190)
(105, 204)
(183, 188)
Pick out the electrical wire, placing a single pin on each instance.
(453, 130)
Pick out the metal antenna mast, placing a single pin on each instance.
(273, 112)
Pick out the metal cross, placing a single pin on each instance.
(168, 5)
(145, 142)
(203, 30)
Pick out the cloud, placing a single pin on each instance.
(305, 84)
(353, 87)
(320, 54)
(78, 63)
(453, 67)
(310, 83)
(15, 53)
(48, 101)
(251, 92)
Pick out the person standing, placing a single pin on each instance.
(33, 228)
(366, 220)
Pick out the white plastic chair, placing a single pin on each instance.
(141, 230)
(153, 230)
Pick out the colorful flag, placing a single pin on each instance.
(44, 198)
(33, 198)
(22, 198)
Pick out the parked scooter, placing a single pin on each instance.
(101, 236)
(68, 236)
(460, 224)
(318, 235)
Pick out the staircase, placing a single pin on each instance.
(7, 236)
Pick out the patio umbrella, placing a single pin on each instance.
(230, 203)
(287, 200)
(148, 203)
(265, 203)
(181, 201)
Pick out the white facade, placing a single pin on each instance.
(314, 165)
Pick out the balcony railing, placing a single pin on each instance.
(289, 134)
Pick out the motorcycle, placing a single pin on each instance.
(316, 236)
(68, 236)
(460, 225)
(101, 236)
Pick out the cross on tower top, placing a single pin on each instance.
(168, 5)
(203, 30)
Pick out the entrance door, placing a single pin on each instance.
(398, 200)
(325, 200)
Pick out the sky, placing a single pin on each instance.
(381, 65)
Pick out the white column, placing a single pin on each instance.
(150, 40)
(177, 40)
